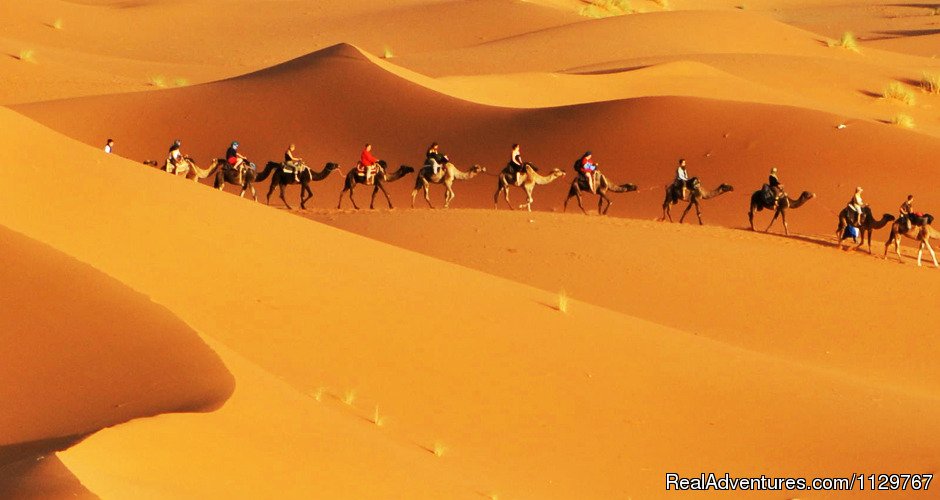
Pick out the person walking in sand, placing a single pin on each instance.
(109, 146)
(367, 162)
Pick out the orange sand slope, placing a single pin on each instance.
(83, 352)
(527, 401)
(636, 140)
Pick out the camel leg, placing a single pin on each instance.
(305, 189)
(427, 194)
(666, 212)
(281, 193)
(685, 212)
(352, 200)
(529, 200)
(506, 195)
(933, 254)
(375, 191)
(267, 200)
(772, 220)
(449, 196)
(603, 197)
(254, 192)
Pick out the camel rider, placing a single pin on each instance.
(906, 211)
(515, 165)
(586, 168)
(682, 178)
(435, 159)
(856, 204)
(175, 156)
(367, 164)
(775, 188)
(236, 160)
(294, 162)
(109, 146)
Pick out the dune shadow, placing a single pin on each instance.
(815, 240)
(611, 71)
(889, 34)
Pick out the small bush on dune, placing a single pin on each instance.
(349, 397)
(388, 54)
(847, 41)
(563, 302)
(180, 82)
(57, 24)
(903, 121)
(899, 92)
(158, 81)
(607, 8)
(28, 55)
(378, 419)
(439, 449)
(931, 83)
(318, 394)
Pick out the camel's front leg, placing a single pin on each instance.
(686, 212)
(281, 192)
(933, 254)
(305, 189)
(375, 191)
(449, 196)
(267, 199)
(529, 200)
(772, 220)
(601, 198)
(427, 194)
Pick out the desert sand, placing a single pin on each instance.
(167, 340)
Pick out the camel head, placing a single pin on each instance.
(477, 169)
(152, 163)
(724, 188)
(629, 187)
(331, 167)
(556, 173)
(405, 169)
(806, 195)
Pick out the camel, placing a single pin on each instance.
(674, 195)
(381, 177)
(187, 168)
(226, 174)
(281, 176)
(920, 231)
(867, 226)
(579, 184)
(446, 176)
(760, 201)
(527, 181)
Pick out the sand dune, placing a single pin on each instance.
(83, 352)
(637, 140)
(672, 349)
(434, 365)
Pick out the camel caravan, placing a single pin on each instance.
(856, 221)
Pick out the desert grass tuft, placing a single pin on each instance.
(903, 120)
(930, 83)
(158, 81)
(377, 419)
(563, 302)
(899, 92)
(663, 3)
(349, 397)
(847, 41)
(317, 394)
(28, 55)
(57, 24)
(388, 54)
(439, 449)
(607, 8)
(180, 82)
